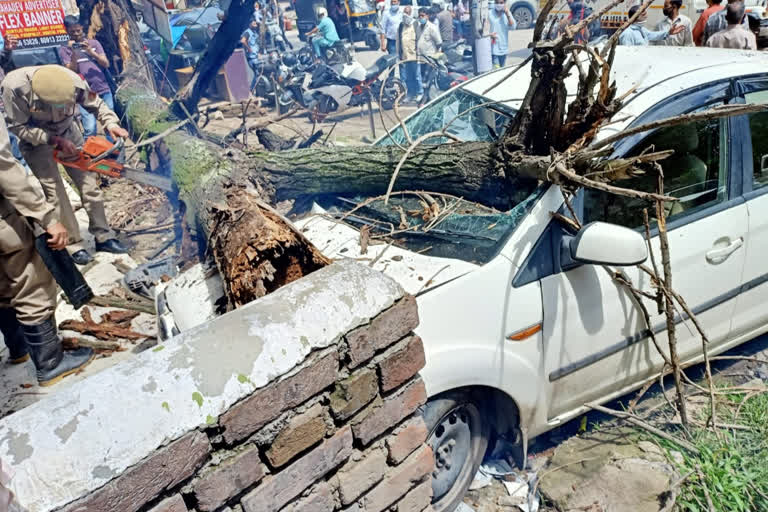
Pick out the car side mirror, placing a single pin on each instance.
(602, 243)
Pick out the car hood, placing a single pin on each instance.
(415, 272)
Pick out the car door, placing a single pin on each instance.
(593, 334)
(751, 312)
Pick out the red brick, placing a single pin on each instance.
(275, 491)
(353, 393)
(357, 477)
(163, 469)
(266, 404)
(229, 478)
(302, 431)
(382, 415)
(402, 363)
(418, 499)
(400, 480)
(173, 504)
(402, 443)
(388, 327)
(319, 500)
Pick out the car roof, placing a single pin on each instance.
(656, 71)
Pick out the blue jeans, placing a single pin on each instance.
(256, 67)
(412, 79)
(499, 60)
(318, 43)
(392, 50)
(89, 121)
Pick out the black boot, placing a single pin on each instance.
(51, 361)
(82, 257)
(112, 245)
(13, 336)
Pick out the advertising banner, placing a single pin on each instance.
(35, 23)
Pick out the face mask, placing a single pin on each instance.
(393, 9)
(407, 19)
(666, 11)
(422, 21)
(640, 23)
(498, 7)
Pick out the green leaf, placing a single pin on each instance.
(165, 406)
(210, 420)
(158, 348)
(197, 397)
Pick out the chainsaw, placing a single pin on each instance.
(101, 156)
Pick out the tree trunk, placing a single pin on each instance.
(224, 42)
(112, 23)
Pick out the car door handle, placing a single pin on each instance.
(717, 256)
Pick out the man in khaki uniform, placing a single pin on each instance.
(27, 289)
(40, 105)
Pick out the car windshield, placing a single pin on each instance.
(476, 123)
(439, 225)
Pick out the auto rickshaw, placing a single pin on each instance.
(355, 20)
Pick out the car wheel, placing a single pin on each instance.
(523, 15)
(458, 434)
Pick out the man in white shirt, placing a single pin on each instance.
(673, 17)
(390, 23)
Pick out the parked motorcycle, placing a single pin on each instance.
(438, 78)
(329, 89)
(274, 34)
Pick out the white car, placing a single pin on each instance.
(521, 321)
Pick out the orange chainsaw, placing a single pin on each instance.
(101, 156)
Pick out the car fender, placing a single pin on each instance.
(505, 370)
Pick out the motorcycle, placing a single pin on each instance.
(458, 57)
(330, 89)
(274, 34)
(438, 78)
(274, 71)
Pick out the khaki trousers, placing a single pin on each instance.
(40, 160)
(26, 285)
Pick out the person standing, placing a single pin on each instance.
(27, 289)
(713, 6)
(637, 35)
(410, 72)
(86, 57)
(428, 40)
(673, 17)
(502, 22)
(40, 104)
(390, 24)
(717, 22)
(734, 36)
(444, 22)
(250, 42)
(327, 30)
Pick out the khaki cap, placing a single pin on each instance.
(53, 84)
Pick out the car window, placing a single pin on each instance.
(695, 174)
(758, 126)
(480, 124)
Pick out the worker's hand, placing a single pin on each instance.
(118, 132)
(11, 42)
(65, 145)
(676, 29)
(57, 236)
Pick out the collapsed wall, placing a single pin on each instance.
(305, 400)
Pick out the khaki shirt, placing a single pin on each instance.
(406, 43)
(735, 36)
(35, 121)
(17, 193)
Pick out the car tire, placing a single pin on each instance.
(459, 430)
(523, 15)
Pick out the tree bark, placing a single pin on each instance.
(113, 24)
(224, 42)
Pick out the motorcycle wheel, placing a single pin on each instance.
(372, 41)
(392, 89)
(263, 89)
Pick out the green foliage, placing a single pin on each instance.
(732, 466)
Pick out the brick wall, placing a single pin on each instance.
(339, 432)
